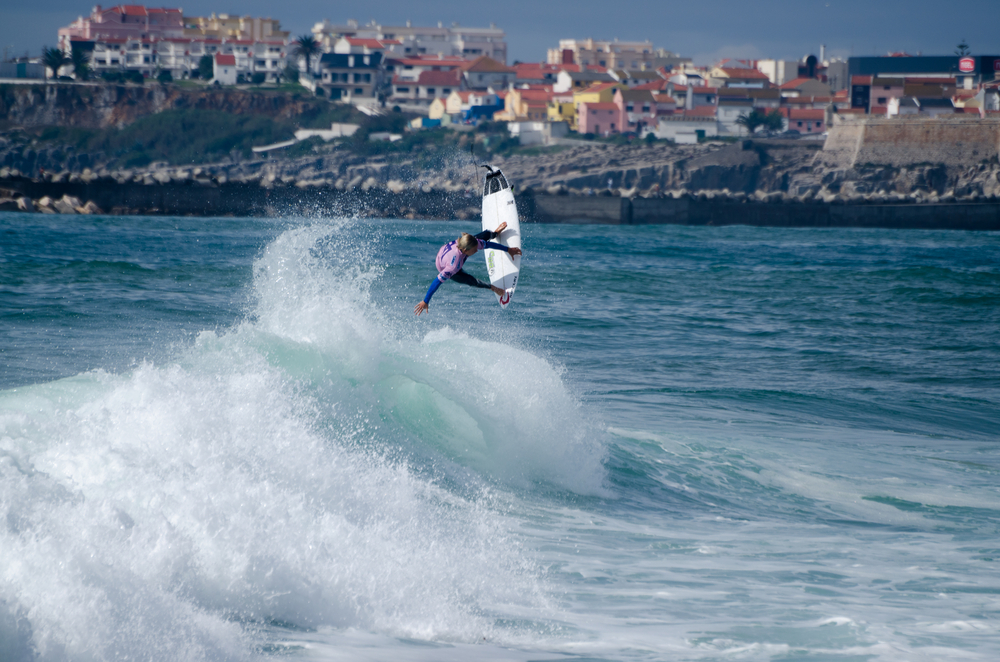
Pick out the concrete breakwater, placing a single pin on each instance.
(241, 199)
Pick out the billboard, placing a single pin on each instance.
(967, 65)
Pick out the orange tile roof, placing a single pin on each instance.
(486, 64)
(793, 84)
(701, 111)
(803, 113)
(603, 105)
(743, 73)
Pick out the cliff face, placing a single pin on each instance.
(99, 106)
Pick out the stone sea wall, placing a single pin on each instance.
(909, 142)
(238, 199)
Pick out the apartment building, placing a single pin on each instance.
(415, 41)
(608, 54)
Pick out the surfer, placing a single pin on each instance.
(452, 256)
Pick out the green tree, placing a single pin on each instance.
(54, 59)
(291, 73)
(305, 47)
(206, 67)
(80, 59)
(258, 78)
(752, 121)
(963, 49)
(165, 76)
(774, 120)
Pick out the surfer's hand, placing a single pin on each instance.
(422, 307)
(514, 250)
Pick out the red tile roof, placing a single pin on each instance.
(803, 113)
(600, 106)
(598, 87)
(701, 111)
(439, 78)
(225, 60)
(449, 61)
(534, 95)
(486, 64)
(794, 84)
(748, 74)
(368, 43)
(861, 80)
(653, 85)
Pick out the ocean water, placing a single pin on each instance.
(230, 439)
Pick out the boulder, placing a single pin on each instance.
(63, 207)
(8, 204)
(89, 208)
(25, 204)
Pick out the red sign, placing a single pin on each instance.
(966, 65)
(996, 65)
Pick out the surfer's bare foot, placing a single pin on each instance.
(496, 290)
(501, 228)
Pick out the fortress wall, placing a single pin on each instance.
(908, 142)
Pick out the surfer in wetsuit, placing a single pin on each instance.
(452, 256)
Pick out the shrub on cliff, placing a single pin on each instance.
(189, 136)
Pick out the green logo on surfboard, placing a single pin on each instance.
(489, 261)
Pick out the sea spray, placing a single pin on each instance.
(176, 511)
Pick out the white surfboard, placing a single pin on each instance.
(499, 207)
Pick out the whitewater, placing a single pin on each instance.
(230, 439)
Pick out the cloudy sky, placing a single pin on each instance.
(706, 31)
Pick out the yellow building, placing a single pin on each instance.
(522, 104)
(600, 93)
(562, 109)
(438, 109)
(225, 26)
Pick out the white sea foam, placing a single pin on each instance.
(172, 513)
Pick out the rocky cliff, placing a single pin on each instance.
(101, 105)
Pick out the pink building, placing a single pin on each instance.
(124, 22)
(637, 109)
(805, 120)
(599, 118)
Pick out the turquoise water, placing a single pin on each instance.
(230, 439)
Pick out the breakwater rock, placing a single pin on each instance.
(711, 208)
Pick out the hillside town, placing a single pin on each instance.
(452, 75)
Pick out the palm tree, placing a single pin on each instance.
(80, 59)
(963, 49)
(54, 59)
(752, 121)
(306, 46)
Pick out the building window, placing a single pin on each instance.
(358, 90)
(402, 89)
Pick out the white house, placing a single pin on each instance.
(686, 129)
(537, 133)
(224, 71)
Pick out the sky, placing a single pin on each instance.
(704, 31)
